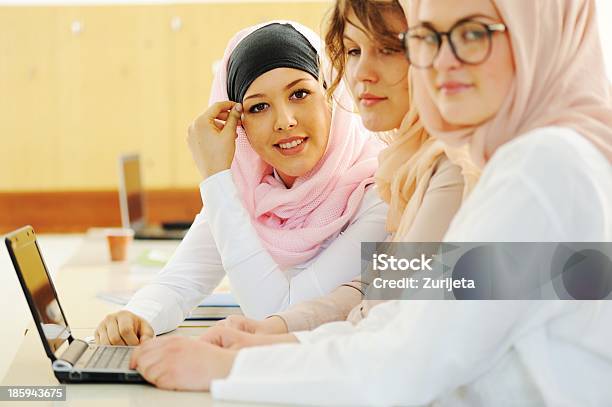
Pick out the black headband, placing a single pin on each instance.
(270, 47)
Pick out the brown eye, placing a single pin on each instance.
(259, 107)
(300, 94)
(473, 34)
(353, 52)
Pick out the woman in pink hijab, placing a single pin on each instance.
(522, 84)
(288, 189)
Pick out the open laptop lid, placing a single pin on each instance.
(131, 193)
(38, 289)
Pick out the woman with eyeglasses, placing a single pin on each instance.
(523, 85)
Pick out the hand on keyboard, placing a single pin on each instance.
(123, 328)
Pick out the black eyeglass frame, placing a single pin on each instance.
(490, 29)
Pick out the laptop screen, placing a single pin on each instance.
(41, 292)
(132, 187)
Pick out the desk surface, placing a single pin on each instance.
(77, 283)
(31, 367)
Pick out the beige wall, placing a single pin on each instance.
(71, 102)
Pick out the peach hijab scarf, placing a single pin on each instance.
(406, 168)
(560, 79)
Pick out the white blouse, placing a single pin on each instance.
(551, 185)
(223, 240)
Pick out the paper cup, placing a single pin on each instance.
(118, 242)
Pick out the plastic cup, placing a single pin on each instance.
(118, 242)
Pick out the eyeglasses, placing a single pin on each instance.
(469, 40)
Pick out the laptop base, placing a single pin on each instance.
(76, 376)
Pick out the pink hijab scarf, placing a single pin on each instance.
(560, 79)
(293, 223)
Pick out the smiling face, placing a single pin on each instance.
(377, 73)
(466, 94)
(287, 120)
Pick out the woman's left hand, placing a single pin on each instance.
(182, 363)
(230, 338)
(212, 137)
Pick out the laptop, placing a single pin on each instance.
(73, 360)
(133, 208)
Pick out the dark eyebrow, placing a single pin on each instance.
(286, 87)
(466, 18)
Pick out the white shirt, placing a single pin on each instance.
(223, 240)
(551, 185)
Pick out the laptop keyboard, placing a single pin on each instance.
(110, 357)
